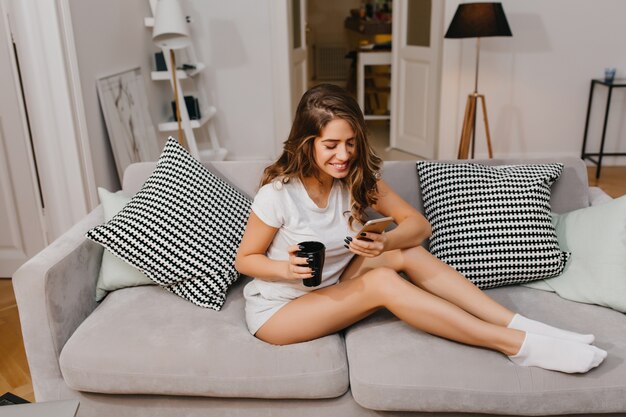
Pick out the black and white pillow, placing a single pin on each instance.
(182, 229)
(493, 223)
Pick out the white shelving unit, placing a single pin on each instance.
(171, 124)
(216, 152)
(182, 75)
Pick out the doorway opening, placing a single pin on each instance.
(340, 36)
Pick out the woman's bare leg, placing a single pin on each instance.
(434, 276)
(333, 308)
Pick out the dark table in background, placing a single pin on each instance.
(616, 83)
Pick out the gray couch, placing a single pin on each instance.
(145, 352)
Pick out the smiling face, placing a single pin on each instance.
(334, 149)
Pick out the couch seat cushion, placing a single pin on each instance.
(145, 340)
(395, 367)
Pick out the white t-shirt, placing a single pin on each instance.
(289, 208)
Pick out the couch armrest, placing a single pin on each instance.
(55, 292)
(598, 196)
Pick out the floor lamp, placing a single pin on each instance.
(476, 20)
(170, 32)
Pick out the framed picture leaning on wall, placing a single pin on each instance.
(125, 107)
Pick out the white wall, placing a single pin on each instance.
(110, 37)
(231, 38)
(537, 82)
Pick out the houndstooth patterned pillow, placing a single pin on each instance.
(182, 229)
(493, 223)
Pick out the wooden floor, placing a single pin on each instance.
(612, 180)
(14, 374)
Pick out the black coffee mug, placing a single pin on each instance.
(315, 252)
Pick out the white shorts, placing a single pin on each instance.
(258, 308)
(264, 299)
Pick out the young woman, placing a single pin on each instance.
(319, 189)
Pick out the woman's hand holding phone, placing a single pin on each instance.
(371, 239)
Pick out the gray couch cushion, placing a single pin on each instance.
(395, 367)
(144, 340)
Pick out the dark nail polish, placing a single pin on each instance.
(346, 246)
(349, 239)
(362, 234)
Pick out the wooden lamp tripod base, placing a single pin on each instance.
(476, 20)
(181, 137)
(468, 133)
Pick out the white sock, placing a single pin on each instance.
(524, 324)
(558, 354)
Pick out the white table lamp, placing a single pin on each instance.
(170, 26)
(171, 32)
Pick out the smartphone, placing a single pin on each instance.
(375, 226)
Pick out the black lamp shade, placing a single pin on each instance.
(478, 20)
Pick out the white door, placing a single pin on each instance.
(21, 219)
(415, 78)
(297, 42)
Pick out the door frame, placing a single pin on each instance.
(281, 71)
(26, 231)
(282, 79)
(398, 39)
(282, 68)
(43, 33)
(298, 56)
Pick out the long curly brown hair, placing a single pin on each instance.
(318, 106)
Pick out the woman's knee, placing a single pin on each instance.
(393, 259)
(383, 282)
(406, 256)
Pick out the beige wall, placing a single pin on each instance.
(110, 38)
(325, 20)
(326, 17)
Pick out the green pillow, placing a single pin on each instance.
(596, 271)
(116, 273)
